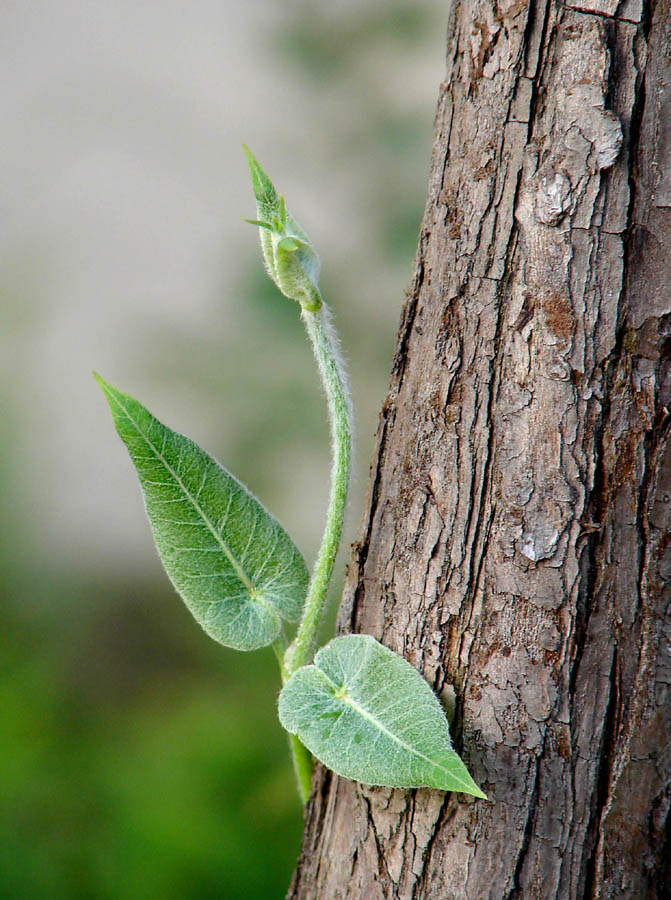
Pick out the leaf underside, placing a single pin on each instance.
(366, 713)
(234, 566)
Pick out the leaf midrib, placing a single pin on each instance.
(240, 572)
(366, 715)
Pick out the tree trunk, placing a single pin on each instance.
(516, 545)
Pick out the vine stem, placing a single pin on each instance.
(325, 346)
(293, 264)
(303, 764)
(301, 756)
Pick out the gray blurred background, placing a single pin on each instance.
(138, 759)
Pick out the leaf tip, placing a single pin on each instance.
(100, 381)
(466, 785)
(262, 186)
(257, 222)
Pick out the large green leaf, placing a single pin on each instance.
(234, 566)
(368, 715)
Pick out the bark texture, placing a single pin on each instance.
(517, 543)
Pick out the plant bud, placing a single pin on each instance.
(290, 258)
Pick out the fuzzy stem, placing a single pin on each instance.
(324, 344)
(302, 759)
(301, 756)
(280, 649)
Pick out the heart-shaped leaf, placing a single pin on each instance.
(234, 566)
(368, 715)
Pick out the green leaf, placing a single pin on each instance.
(234, 566)
(368, 715)
(264, 190)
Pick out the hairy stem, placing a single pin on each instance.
(324, 343)
(301, 756)
(325, 346)
(302, 767)
(280, 649)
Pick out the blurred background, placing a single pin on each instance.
(138, 759)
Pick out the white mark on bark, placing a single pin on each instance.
(540, 545)
(554, 198)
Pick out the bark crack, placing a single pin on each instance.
(379, 846)
(516, 892)
(581, 11)
(420, 888)
(606, 758)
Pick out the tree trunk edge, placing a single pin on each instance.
(565, 693)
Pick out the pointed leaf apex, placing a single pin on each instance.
(262, 186)
(234, 566)
(104, 386)
(257, 222)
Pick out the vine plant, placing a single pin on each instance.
(361, 709)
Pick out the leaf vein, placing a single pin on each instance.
(210, 526)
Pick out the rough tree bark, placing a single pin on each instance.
(516, 543)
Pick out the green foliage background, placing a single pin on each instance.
(138, 759)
